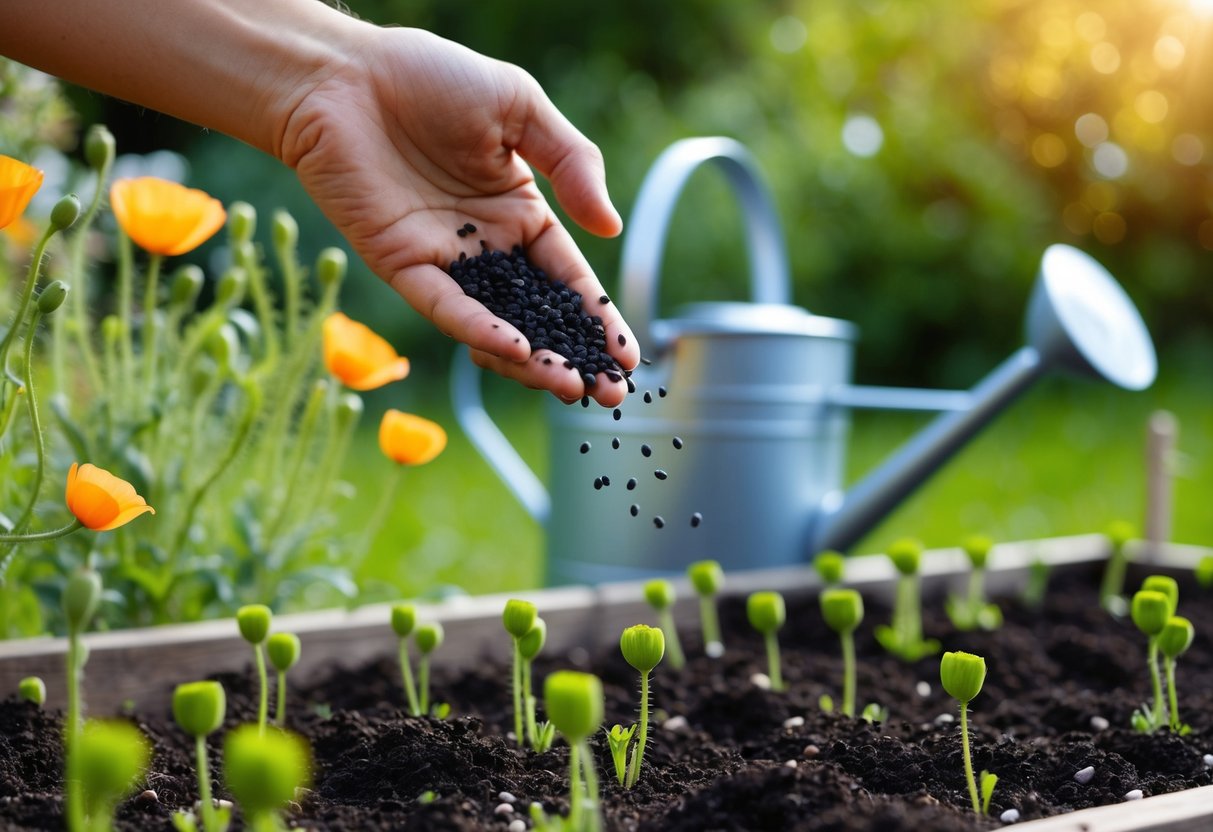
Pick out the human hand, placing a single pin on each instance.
(413, 137)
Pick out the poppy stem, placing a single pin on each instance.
(302, 444)
(31, 405)
(79, 298)
(387, 499)
(48, 535)
(126, 352)
(35, 270)
(151, 336)
(246, 258)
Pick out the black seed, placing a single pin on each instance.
(589, 379)
(631, 386)
(634, 510)
(696, 519)
(660, 474)
(585, 447)
(648, 397)
(614, 376)
(516, 340)
(632, 484)
(617, 414)
(604, 299)
(597, 483)
(658, 522)
(645, 361)
(677, 441)
(661, 391)
(568, 365)
(605, 480)
(495, 326)
(615, 443)
(462, 232)
(547, 361)
(469, 228)
(646, 450)
(622, 341)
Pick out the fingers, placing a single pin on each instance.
(545, 370)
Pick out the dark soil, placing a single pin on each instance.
(737, 762)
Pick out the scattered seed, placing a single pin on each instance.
(604, 299)
(646, 450)
(661, 391)
(634, 510)
(147, 797)
(810, 751)
(923, 689)
(696, 519)
(1009, 816)
(496, 326)
(1207, 760)
(462, 232)
(793, 722)
(631, 385)
(659, 522)
(675, 724)
(1084, 775)
(506, 797)
(615, 442)
(517, 340)
(469, 228)
(613, 377)
(503, 809)
(944, 719)
(622, 341)
(597, 483)
(632, 484)
(645, 361)
(617, 414)
(648, 397)
(568, 365)
(714, 650)
(585, 447)
(1134, 794)
(660, 474)
(790, 764)
(517, 825)
(760, 680)
(677, 443)
(1098, 723)
(606, 481)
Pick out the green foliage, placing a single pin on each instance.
(618, 739)
(987, 781)
(262, 769)
(903, 637)
(199, 707)
(962, 675)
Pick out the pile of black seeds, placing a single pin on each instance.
(547, 312)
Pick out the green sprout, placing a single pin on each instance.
(830, 566)
(708, 578)
(904, 638)
(619, 738)
(263, 770)
(199, 708)
(1039, 572)
(1151, 609)
(660, 595)
(1204, 572)
(111, 757)
(539, 734)
(254, 623)
(1174, 640)
(81, 596)
(973, 611)
(643, 648)
(1112, 588)
(429, 638)
(767, 614)
(32, 689)
(962, 675)
(283, 650)
(404, 621)
(842, 610)
(574, 703)
(518, 619)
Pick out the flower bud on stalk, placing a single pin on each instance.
(643, 648)
(429, 638)
(99, 147)
(52, 297)
(32, 689)
(186, 286)
(962, 676)
(331, 266)
(284, 230)
(767, 614)
(254, 623)
(241, 222)
(660, 595)
(65, 213)
(842, 610)
(529, 646)
(231, 287)
(284, 650)
(518, 618)
(404, 621)
(80, 598)
(708, 578)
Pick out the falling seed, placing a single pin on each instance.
(632, 484)
(634, 510)
(615, 442)
(645, 361)
(661, 391)
(604, 299)
(1009, 816)
(658, 522)
(617, 414)
(631, 385)
(606, 481)
(660, 474)
(622, 341)
(585, 401)
(597, 483)
(648, 397)
(585, 447)
(677, 443)
(696, 519)
(646, 450)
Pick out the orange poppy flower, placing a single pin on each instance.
(164, 217)
(358, 357)
(18, 184)
(100, 500)
(409, 439)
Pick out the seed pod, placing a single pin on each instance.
(99, 146)
(642, 646)
(331, 266)
(264, 769)
(230, 290)
(842, 609)
(112, 755)
(241, 222)
(199, 707)
(574, 703)
(532, 643)
(977, 548)
(962, 675)
(659, 593)
(284, 229)
(1176, 636)
(283, 650)
(80, 598)
(906, 555)
(52, 297)
(429, 637)
(830, 566)
(254, 622)
(32, 689)
(1150, 611)
(1166, 585)
(65, 212)
(404, 619)
(187, 284)
(518, 617)
(766, 611)
(706, 576)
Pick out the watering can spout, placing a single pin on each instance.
(1079, 319)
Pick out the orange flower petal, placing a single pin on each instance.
(410, 440)
(359, 358)
(164, 217)
(101, 501)
(18, 184)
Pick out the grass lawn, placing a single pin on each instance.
(1066, 459)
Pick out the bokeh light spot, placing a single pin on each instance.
(1109, 228)
(862, 135)
(788, 34)
(1100, 196)
(1169, 52)
(1187, 149)
(1151, 105)
(1105, 58)
(1090, 27)
(1110, 160)
(1048, 150)
(1091, 129)
(1077, 218)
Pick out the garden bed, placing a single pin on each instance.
(734, 757)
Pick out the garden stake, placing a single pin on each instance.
(1150, 610)
(254, 623)
(1174, 640)
(574, 703)
(539, 735)
(518, 619)
(429, 638)
(767, 613)
(708, 578)
(660, 595)
(962, 675)
(283, 650)
(404, 619)
(642, 647)
(199, 708)
(842, 610)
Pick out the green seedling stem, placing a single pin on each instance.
(574, 703)
(963, 675)
(643, 648)
(284, 650)
(404, 620)
(660, 595)
(429, 638)
(253, 622)
(199, 707)
(707, 577)
(80, 598)
(518, 618)
(842, 610)
(1174, 640)
(1150, 611)
(539, 737)
(767, 613)
(1119, 533)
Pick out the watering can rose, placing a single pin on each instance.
(101, 501)
(358, 357)
(163, 217)
(18, 184)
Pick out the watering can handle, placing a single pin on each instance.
(644, 244)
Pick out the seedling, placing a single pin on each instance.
(81, 596)
(1151, 609)
(842, 610)
(254, 623)
(404, 620)
(973, 611)
(1039, 572)
(660, 595)
(429, 638)
(643, 648)
(962, 675)
(110, 758)
(619, 738)
(518, 618)
(539, 734)
(767, 613)
(263, 770)
(32, 689)
(198, 708)
(1204, 572)
(904, 638)
(283, 650)
(1174, 640)
(574, 703)
(1112, 588)
(830, 566)
(708, 578)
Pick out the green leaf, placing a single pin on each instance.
(988, 782)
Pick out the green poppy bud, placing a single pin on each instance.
(199, 707)
(429, 637)
(706, 576)
(52, 297)
(962, 675)
(349, 409)
(532, 643)
(80, 598)
(254, 622)
(284, 229)
(766, 611)
(830, 566)
(659, 593)
(1150, 611)
(224, 345)
(1166, 585)
(331, 266)
(241, 222)
(187, 284)
(574, 703)
(1204, 571)
(111, 329)
(404, 619)
(65, 212)
(112, 757)
(642, 646)
(842, 609)
(906, 555)
(99, 146)
(231, 287)
(977, 547)
(1176, 636)
(1121, 532)
(32, 689)
(262, 770)
(283, 650)
(518, 617)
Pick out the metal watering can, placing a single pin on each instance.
(759, 395)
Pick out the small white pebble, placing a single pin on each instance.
(1009, 816)
(923, 689)
(503, 809)
(1083, 775)
(790, 764)
(761, 681)
(517, 825)
(793, 722)
(1098, 723)
(1208, 760)
(714, 649)
(944, 719)
(675, 724)
(506, 797)
(1134, 794)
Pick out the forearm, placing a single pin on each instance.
(235, 66)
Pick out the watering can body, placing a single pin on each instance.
(757, 398)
